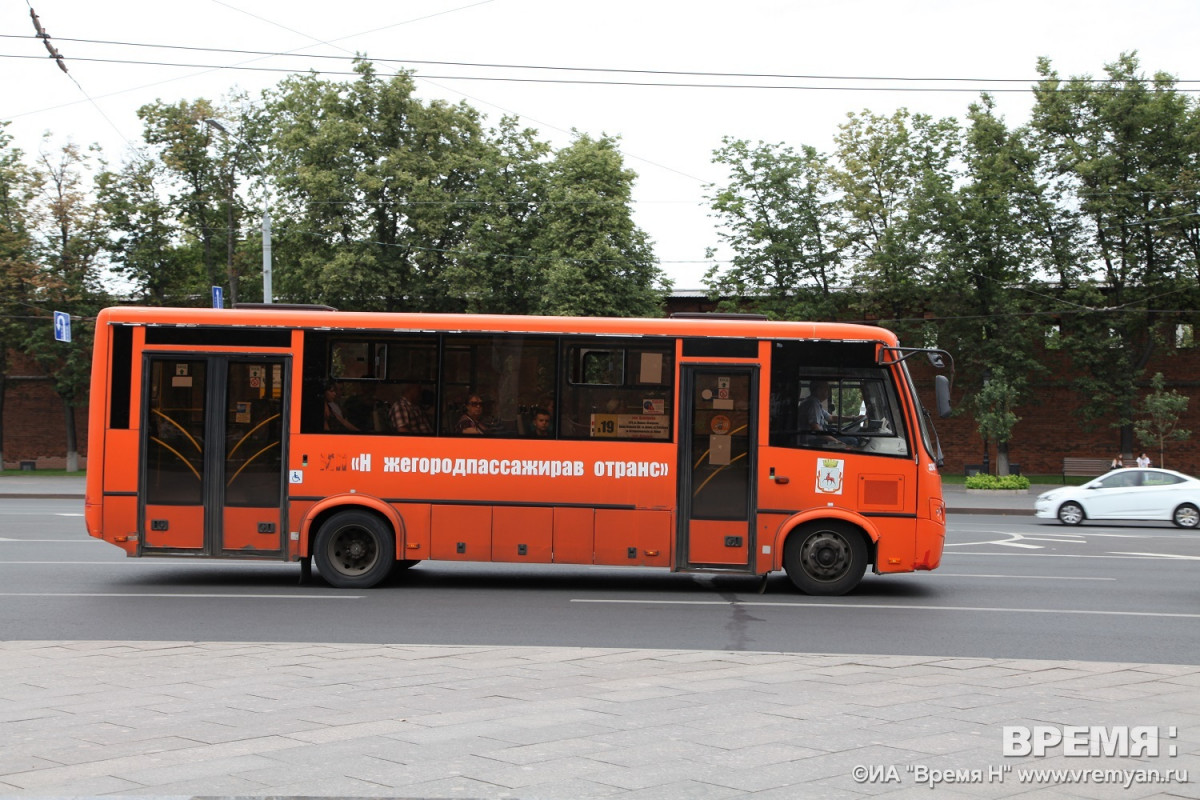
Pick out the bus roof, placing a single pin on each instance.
(391, 322)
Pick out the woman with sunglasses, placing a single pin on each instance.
(471, 423)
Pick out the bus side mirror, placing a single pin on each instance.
(941, 388)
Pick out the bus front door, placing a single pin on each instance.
(212, 455)
(717, 459)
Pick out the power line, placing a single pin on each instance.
(585, 82)
(559, 68)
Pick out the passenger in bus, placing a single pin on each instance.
(360, 408)
(335, 420)
(539, 424)
(406, 413)
(471, 422)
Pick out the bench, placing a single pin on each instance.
(1089, 467)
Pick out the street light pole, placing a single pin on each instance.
(266, 215)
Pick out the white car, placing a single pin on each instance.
(1146, 494)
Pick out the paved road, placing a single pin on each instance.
(193, 717)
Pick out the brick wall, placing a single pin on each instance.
(1052, 428)
(35, 419)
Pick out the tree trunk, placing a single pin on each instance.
(1001, 458)
(72, 444)
(1127, 437)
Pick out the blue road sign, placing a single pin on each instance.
(218, 297)
(62, 326)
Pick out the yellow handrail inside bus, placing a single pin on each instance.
(718, 472)
(250, 433)
(248, 460)
(178, 454)
(182, 430)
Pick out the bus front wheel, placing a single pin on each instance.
(354, 550)
(825, 558)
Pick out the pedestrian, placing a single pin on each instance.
(1143, 461)
(1117, 463)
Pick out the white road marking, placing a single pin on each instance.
(190, 595)
(891, 607)
(1134, 557)
(1161, 555)
(1022, 577)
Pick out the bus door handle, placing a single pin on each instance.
(779, 479)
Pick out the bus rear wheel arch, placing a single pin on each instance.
(355, 549)
(826, 557)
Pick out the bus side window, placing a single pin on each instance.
(617, 393)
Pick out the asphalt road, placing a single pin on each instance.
(1008, 587)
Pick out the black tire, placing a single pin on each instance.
(1071, 513)
(826, 558)
(1186, 516)
(354, 550)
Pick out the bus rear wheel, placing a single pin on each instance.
(825, 558)
(355, 550)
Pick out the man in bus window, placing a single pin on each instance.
(817, 421)
(407, 416)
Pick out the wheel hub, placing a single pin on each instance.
(826, 555)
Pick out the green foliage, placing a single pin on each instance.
(890, 174)
(1163, 410)
(1124, 149)
(780, 221)
(598, 262)
(984, 481)
(18, 272)
(389, 203)
(146, 245)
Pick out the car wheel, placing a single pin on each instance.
(826, 558)
(1186, 516)
(1070, 513)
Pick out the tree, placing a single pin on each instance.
(196, 183)
(778, 217)
(498, 269)
(889, 171)
(598, 262)
(375, 188)
(17, 270)
(1121, 144)
(994, 414)
(985, 258)
(68, 241)
(1163, 410)
(147, 243)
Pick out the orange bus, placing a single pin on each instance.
(373, 441)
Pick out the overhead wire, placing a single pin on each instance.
(60, 60)
(561, 68)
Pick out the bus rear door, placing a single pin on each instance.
(212, 455)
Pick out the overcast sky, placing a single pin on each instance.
(668, 132)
